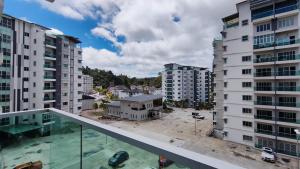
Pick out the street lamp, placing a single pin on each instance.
(297, 131)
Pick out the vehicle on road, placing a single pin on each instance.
(199, 117)
(268, 155)
(195, 114)
(118, 158)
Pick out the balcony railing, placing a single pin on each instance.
(71, 141)
(49, 98)
(50, 43)
(277, 43)
(277, 11)
(278, 73)
(265, 103)
(49, 77)
(49, 88)
(272, 59)
(226, 26)
(267, 132)
(288, 104)
(49, 66)
(280, 119)
(50, 55)
(287, 135)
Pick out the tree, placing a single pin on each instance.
(95, 105)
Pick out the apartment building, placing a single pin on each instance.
(38, 69)
(87, 84)
(261, 74)
(180, 83)
(218, 84)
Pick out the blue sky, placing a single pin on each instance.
(155, 32)
(79, 28)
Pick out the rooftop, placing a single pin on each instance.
(142, 98)
(114, 104)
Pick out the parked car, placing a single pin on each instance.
(268, 154)
(118, 158)
(30, 165)
(195, 114)
(199, 117)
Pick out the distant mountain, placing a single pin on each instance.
(106, 78)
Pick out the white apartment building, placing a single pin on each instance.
(261, 74)
(218, 85)
(39, 69)
(87, 84)
(180, 83)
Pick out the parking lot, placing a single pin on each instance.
(178, 128)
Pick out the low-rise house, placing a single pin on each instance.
(142, 107)
(87, 102)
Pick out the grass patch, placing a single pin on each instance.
(98, 113)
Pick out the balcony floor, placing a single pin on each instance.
(54, 151)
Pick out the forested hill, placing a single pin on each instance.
(105, 78)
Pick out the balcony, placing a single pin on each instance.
(49, 98)
(49, 88)
(267, 132)
(49, 66)
(277, 11)
(264, 103)
(288, 104)
(74, 142)
(277, 43)
(280, 88)
(278, 73)
(52, 56)
(49, 77)
(280, 119)
(272, 59)
(50, 43)
(230, 25)
(287, 135)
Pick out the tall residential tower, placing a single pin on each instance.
(38, 69)
(262, 74)
(180, 83)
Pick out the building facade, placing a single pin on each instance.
(261, 74)
(38, 69)
(87, 84)
(180, 83)
(218, 84)
(137, 108)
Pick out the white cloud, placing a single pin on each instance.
(152, 37)
(55, 31)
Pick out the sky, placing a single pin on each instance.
(133, 37)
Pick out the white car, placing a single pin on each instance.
(268, 154)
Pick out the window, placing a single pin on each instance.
(4, 98)
(4, 121)
(247, 138)
(285, 22)
(246, 58)
(34, 52)
(26, 57)
(66, 56)
(65, 103)
(224, 48)
(33, 95)
(25, 90)
(245, 38)
(225, 60)
(264, 39)
(247, 97)
(246, 71)
(246, 84)
(26, 46)
(66, 45)
(225, 72)
(6, 38)
(247, 123)
(34, 84)
(5, 109)
(6, 63)
(34, 41)
(225, 108)
(247, 110)
(263, 27)
(245, 22)
(26, 34)
(65, 65)
(26, 68)
(34, 63)
(225, 96)
(25, 100)
(6, 52)
(65, 94)
(225, 84)
(225, 121)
